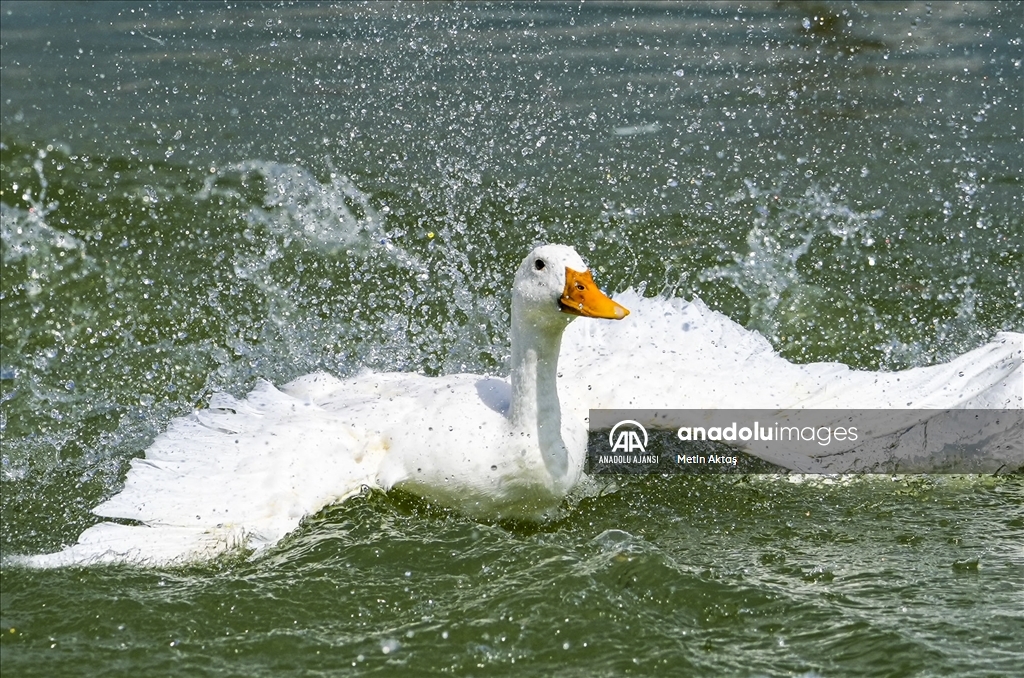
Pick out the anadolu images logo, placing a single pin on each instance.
(628, 441)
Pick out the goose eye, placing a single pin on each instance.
(539, 264)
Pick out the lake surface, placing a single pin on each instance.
(197, 196)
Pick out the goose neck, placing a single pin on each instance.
(535, 410)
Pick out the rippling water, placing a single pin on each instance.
(198, 196)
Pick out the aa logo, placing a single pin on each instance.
(628, 439)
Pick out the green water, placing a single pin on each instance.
(198, 196)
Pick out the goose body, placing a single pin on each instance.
(244, 472)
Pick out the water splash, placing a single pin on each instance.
(950, 334)
(288, 200)
(782, 234)
(26, 236)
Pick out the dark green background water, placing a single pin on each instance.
(198, 196)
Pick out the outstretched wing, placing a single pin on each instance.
(242, 473)
(674, 354)
(670, 353)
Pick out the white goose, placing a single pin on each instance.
(245, 472)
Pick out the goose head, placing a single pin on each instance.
(553, 285)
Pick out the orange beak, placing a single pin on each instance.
(582, 297)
